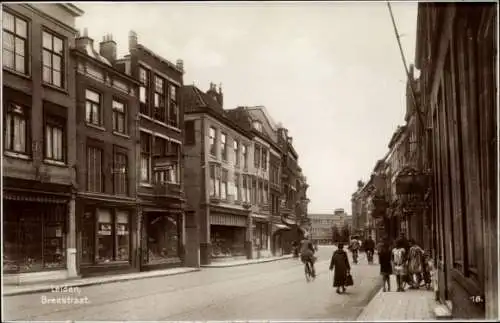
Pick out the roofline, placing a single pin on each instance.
(73, 9)
(112, 68)
(220, 118)
(158, 57)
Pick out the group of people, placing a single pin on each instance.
(407, 261)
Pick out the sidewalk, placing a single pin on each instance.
(410, 305)
(11, 290)
(243, 262)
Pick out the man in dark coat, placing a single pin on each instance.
(340, 262)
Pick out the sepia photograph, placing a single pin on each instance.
(266, 161)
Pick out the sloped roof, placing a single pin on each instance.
(195, 100)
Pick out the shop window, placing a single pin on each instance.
(16, 129)
(163, 234)
(227, 241)
(15, 43)
(34, 237)
(105, 236)
(53, 59)
(119, 117)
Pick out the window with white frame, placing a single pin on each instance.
(223, 146)
(244, 150)
(211, 138)
(257, 156)
(236, 148)
(120, 173)
(15, 43)
(159, 99)
(95, 181)
(93, 107)
(237, 190)
(145, 157)
(54, 138)
(173, 172)
(53, 59)
(223, 186)
(143, 90)
(245, 188)
(215, 172)
(16, 129)
(257, 125)
(266, 190)
(173, 114)
(119, 117)
(264, 158)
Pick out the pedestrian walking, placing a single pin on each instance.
(398, 261)
(384, 259)
(340, 262)
(415, 264)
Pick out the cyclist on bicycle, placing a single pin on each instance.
(355, 245)
(307, 253)
(369, 248)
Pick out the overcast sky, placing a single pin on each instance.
(331, 72)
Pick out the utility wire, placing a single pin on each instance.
(410, 77)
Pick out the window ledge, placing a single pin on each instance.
(56, 88)
(174, 128)
(91, 125)
(16, 73)
(145, 185)
(123, 135)
(17, 155)
(55, 162)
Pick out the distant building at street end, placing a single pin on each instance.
(322, 225)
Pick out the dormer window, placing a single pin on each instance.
(257, 125)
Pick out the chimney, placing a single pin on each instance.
(107, 48)
(220, 95)
(84, 40)
(132, 40)
(180, 64)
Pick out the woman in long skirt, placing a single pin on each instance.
(340, 262)
(384, 259)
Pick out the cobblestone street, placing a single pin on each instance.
(275, 290)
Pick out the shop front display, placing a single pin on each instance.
(260, 236)
(105, 236)
(163, 234)
(34, 236)
(227, 241)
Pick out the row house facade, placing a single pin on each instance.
(457, 55)
(228, 178)
(106, 208)
(160, 193)
(39, 160)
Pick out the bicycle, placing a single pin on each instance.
(308, 271)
